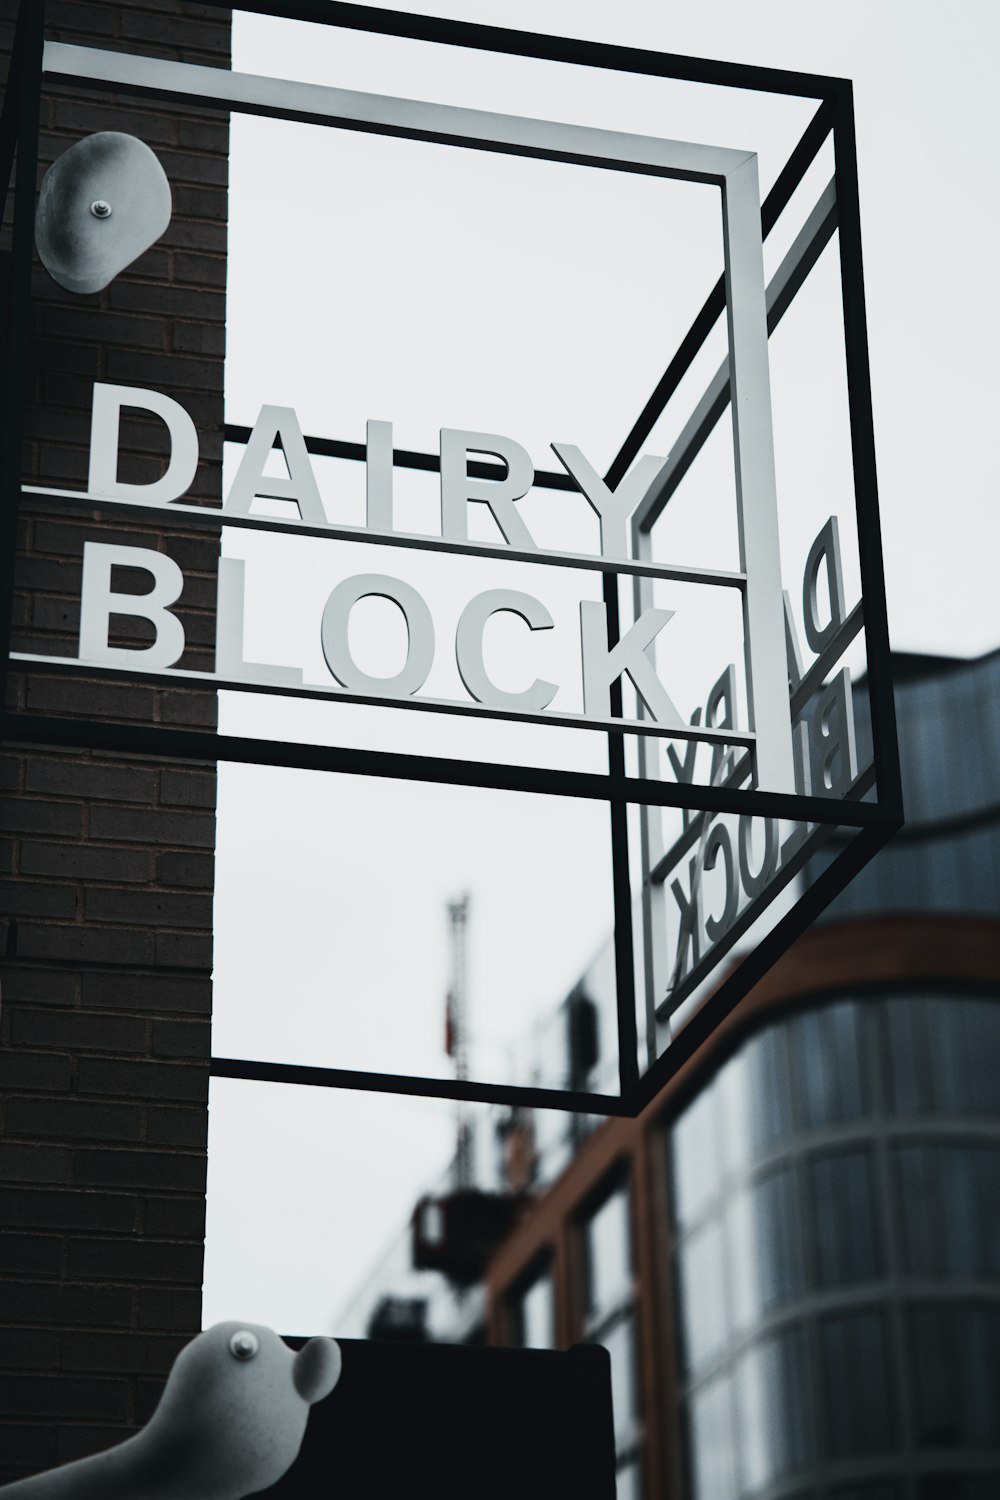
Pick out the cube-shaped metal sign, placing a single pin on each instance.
(694, 640)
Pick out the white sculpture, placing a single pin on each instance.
(230, 1422)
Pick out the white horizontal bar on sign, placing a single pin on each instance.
(431, 705)
(379, 113)
(209, 515)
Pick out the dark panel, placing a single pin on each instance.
(456, 1422)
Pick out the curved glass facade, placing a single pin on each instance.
(835, 1205)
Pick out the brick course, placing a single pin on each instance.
(107, 860)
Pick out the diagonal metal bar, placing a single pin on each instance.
(680, 989)
(471, 1091)
(795, 267)
(828, 885)
(776, 201)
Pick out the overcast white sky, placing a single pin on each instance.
(473, 292)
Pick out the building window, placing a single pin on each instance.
(533, 1313)
(765, 1245)
(768, 1091)
(696, 1161)
(955, 1371)
(713, 1450)
(620, 1341)
(843, 1217)
(773, 1410)
(944, 1054)
(857, 1402)
(627, 1480)
(948, 1207)
(827, 1064)
(606, 1241)
(702, 1278)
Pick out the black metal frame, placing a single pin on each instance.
(873, 822)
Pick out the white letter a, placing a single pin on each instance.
(251, 483)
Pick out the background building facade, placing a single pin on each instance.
(804, 1234)
(793, 1255)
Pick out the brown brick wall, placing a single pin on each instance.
(106, 861)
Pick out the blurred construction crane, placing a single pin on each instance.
(456, 1035)
(456, 1232)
